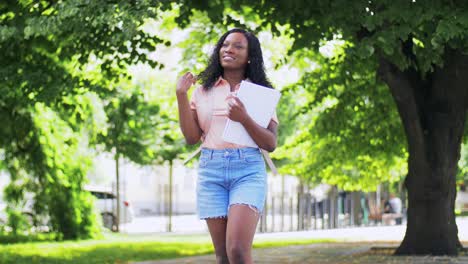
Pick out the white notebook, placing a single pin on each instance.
(260, 103)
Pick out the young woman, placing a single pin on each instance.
(232, 180)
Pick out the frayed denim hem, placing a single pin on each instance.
(214, 217)
(255, 209)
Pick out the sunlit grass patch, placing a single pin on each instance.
(120, 249)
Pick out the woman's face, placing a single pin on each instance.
(234, 52)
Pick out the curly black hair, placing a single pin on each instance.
(255, 70)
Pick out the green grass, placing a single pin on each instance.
(23, 238)
(459, 213)
(120, 249)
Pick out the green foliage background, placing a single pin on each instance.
(65, 89)
(61, 64)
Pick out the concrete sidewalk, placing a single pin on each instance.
(330, 253)
(366, 245)
(357, 234)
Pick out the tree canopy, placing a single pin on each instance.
(59, 62)
(396, 70)
(419, 50)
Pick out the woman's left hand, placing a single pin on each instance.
(236, 109)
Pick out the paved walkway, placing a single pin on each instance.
(333, 253)
(363, 245)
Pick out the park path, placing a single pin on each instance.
(329, 253)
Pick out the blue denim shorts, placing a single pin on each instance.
(230, 176)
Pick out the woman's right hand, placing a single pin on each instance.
(185, 82)
(187, 118)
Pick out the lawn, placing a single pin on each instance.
(120, 248)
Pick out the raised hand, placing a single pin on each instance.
(185, 82)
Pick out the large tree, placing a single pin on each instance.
(418, 49)
(46, 95)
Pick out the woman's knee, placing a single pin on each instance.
(221, 253)
(238, 252)
(222, 258)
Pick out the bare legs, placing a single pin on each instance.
(233, 238)
(217, 228)
(240, 232)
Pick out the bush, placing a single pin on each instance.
(10, 238)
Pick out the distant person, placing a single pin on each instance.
(232, 179)
(392, 211)
(387, 207)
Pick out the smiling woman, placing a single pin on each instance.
(236, 43)
(231, 177)
(233, 52)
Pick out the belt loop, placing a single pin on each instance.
(211, 154)
(241, 154)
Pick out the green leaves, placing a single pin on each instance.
(346, 132)
(58, 64)
(65, 162)
(344, 116)
(64, 83)
(131, 120)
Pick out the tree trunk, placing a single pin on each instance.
(282, 202)
(117, 183)
(432, 110)
(356, 209)
(333, 208)
(169, 221)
